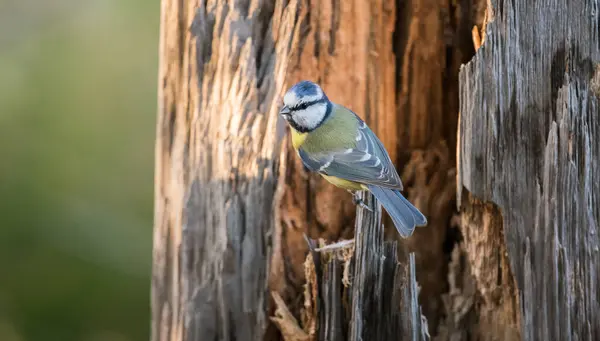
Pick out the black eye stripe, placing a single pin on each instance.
(304, 105)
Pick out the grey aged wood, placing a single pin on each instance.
(380, 302)
(530, 144)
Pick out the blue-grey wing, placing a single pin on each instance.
(368, 162)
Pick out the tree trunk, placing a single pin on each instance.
(529, 172)
(232, 200)
(228, 226)
(222, 71)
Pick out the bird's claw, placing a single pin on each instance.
(360, 203)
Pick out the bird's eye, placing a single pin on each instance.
(301, 106)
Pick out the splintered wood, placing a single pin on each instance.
(286, 322)
(360, 293)
(529, 159)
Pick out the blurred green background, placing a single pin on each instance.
(77, 114)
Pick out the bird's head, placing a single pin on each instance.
(305, 106)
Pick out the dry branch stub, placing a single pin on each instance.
(362, 292)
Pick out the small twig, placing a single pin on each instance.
(337, 246)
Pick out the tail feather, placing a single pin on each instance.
(404, 215)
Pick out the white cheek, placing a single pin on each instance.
(311, 116)
(290, 98)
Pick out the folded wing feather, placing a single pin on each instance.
(368, 162)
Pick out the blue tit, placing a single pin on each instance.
(333, 141)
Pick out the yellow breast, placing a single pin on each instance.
(344, 184)
(333, 134)
(298, 138)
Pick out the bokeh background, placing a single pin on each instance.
(77, 115)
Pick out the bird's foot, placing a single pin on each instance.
(336, 246)
(359, 202)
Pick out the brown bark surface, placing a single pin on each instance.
(222, 231)
(222, 71)
(233, 201)
(231, 210)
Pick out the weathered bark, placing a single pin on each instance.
(220, 221)
(221, 75)
(232, 206)
(529, 151)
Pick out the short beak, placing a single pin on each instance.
(285, 112)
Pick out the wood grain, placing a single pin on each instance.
(222, 71)
(231, 204)
(529, 145)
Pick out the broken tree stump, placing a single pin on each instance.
(359, 291)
